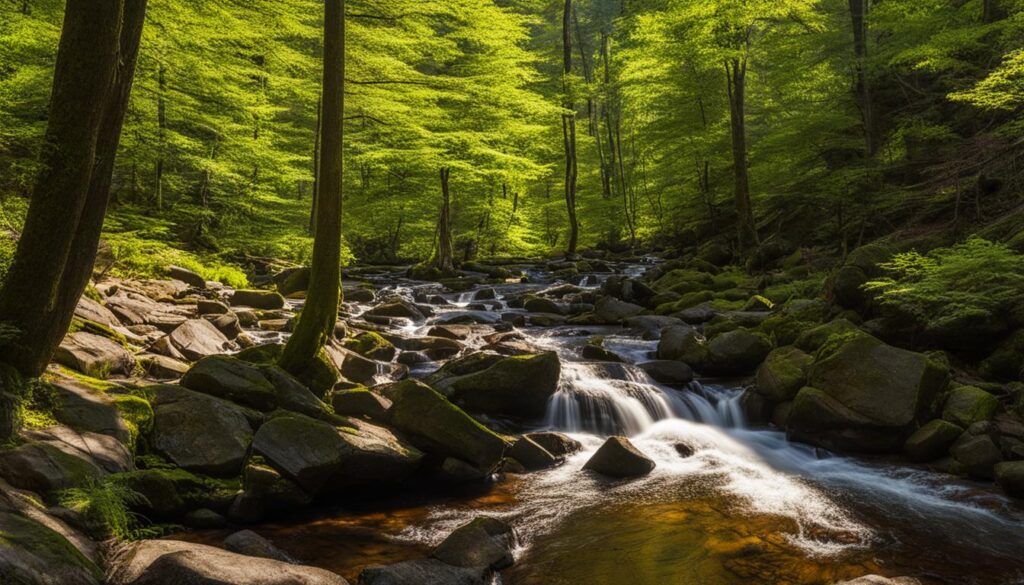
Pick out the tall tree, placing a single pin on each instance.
(320, 313)
(91, 84)
(569, 130)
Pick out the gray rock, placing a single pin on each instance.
(84, 408)
(211, 307)
(531, 455)
(557, 444)
(94, 355)
(360, 402)
(736, 352)
(248, 543)
(187, 276)
(161, 367)
(672, 373)
(198, 432)
(232, 379)
(167, 562)
(258, 299)
(611, 310)
(198, 338)
(481, 542)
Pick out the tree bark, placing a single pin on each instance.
(316, 166)
(859, 16)
(320, 313)
(34, 312)
(736, 72)
(444, 256)
(569, 131)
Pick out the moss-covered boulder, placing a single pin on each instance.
(84, 405)
(439, 427)
(360, 402)
(517, 386)
(266, 493)
(170, 492)
(1006, 361)
(43, 467)
(866, 395)
(739, 351)
(813, 339)
(682, 281)
(977, 454)
(682, 343)
(967, 405)
(32, 553)
(861, 265)
(258, 299)
(198, 432)
(231, 379)
(371, 345)
(1010, 477)
(932, 441)
(783, 374)
(323, 458)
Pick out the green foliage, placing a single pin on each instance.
(105, 507)
(136, 255)
(977, 278)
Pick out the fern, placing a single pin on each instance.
(105, 507)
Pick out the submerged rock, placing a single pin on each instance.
(617, 457)
(481, 542)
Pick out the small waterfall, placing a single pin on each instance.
(589, 401)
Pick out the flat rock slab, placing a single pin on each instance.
(94, 355)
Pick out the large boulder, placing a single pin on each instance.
(360, 402)
(932, 441)
(258, 299)
(43, 467)
(232, 379)
(967, 405)
(34, 553)
(266, 493)
(198, 338)
(94, 355)
(617, 457)
(87, 408)
(199, 433)
(682, 343)
(439, 427)
(187, 276)
(171, 562)
(611, 310)
(322, 458)
(517, 386)
(783, 374)
(481, 542)
(865, 395)
(736, 352)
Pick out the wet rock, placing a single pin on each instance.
(978, 455)
(481, 542)
(557, 444)
(322, 458)
(422, 572)
(199, 433)
(359, 294)
(866, 395)
(655, 323)
(457, 332)
(258, 299)
(485, 294)
(187, 276)
(198, 338)
(967, 405)
(783, 374)
(932, 441)
(85, 408)
(1010, 477)
(611, 310)
(360, 402)
(543, 305)
(228, 324)
(372, 346)
(737, 352)
(250, 544)
(684, 450)
(755, 407)
(599, 354)
(517, 386)
(682, 343)
(401, 309)
(439, 427)
(94, 355)
(531, 455)
(617, 457)
(163, 562)
(672, 373)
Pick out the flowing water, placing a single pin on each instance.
(747, 507)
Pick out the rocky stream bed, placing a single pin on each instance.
(560, 423)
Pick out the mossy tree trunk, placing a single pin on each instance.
(736, 74)
(444, 254)
(316, 323)
(569, 131)
(862, 88)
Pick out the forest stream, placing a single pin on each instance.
(747, 506)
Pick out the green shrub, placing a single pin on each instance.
(975, 279)
(105, 507)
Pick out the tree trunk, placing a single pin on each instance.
(320, 313)
(608, 166)
(316, 167)
(58, 243)
(569, 131)
(444, 255)
(859, 16)
(736, 72)
(587, 76)
(161, 120)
